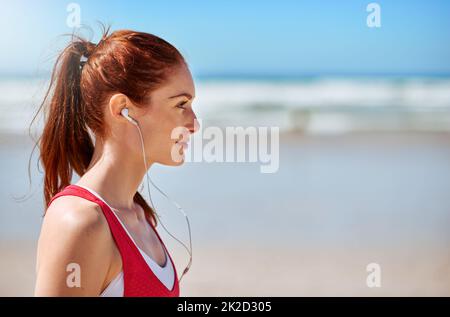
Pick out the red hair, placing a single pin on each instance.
(83, 77)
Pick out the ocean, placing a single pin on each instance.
(319, 104)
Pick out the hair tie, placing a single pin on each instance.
(83, 61)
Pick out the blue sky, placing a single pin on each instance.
(248, 37)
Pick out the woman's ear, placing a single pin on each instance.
(117, 102)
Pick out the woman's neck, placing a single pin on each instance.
(114, 175)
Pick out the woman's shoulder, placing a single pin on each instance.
(74, 230)
(74, 227)
(76, 212)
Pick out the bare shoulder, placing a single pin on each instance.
(75, 213)
(74, 226)
(74, 230)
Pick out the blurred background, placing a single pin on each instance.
(363, 109)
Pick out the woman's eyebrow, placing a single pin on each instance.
(185, 94)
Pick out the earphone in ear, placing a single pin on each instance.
(124, 113)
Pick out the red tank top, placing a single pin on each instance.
(139, 279)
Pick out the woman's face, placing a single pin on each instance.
(168, 120)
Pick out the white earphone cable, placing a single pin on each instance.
(189, 250)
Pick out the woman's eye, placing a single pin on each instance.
(181, 105)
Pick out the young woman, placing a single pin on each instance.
(128, 93)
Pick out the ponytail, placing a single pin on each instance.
(65, 143)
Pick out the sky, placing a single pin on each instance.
(246, 37)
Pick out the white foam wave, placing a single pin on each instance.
(287, 104)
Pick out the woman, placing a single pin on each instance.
(98, 237)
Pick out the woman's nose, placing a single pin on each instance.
(194, 124)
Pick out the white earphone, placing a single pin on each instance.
(124, 113)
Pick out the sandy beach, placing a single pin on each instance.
(336, 204)
(259, 271)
